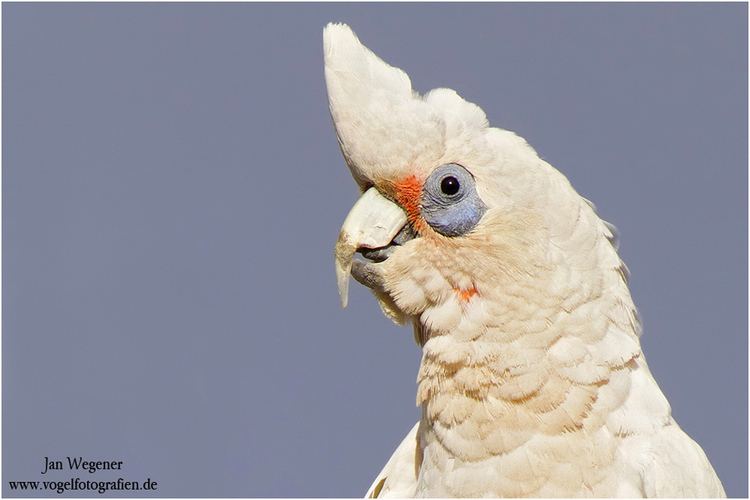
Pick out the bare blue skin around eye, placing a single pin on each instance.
(453, 215)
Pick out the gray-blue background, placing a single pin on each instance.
(172, 189)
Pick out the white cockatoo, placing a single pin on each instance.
(532, 380)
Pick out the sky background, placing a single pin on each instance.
(172, 191)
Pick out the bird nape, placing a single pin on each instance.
(532, 380)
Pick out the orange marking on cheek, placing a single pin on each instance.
(465, 294)
(408, 193)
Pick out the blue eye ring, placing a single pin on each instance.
(450, 203)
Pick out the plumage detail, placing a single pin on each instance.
(532, 380)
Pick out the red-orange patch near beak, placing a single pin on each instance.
(408, 193)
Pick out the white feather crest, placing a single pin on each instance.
(386, 129)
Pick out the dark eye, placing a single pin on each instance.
(450, 185)
(450, 203)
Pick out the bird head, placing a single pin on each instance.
(453, 211)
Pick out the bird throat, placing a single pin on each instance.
(548, 368)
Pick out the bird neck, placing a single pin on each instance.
(532, 355)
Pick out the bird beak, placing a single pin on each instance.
(373, 222)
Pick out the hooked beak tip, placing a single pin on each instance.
(344, 255)
(372, 223)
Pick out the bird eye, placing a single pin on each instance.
(450, 185)
(450, 203)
